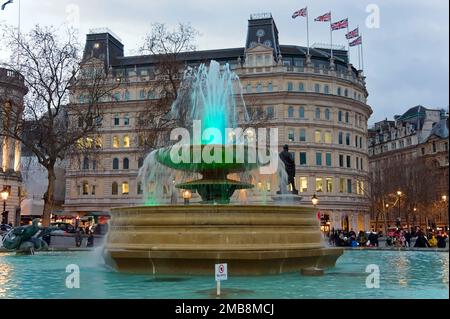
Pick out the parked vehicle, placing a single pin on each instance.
(64, 227)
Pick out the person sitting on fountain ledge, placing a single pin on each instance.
(289, 165)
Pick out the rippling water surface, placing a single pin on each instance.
(403, 274)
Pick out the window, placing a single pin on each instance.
(434, 147)
(259, 88)
(408, 141)
(290, 112)
(116, 142)
(326, 89)
(301, 87)
(125, 188)
(340, 116)
(142, 94)
(319, 185)
(319, 159)
(126, 96)
(318, 137)
(357, 162)
(290, 86)
(126, 120)
(341, 185)
(349, 186)
(328, 159)
(291, 137)
(302, 158)
(303, 184)
(126, 163)
(126, 141)
(249, 88)
(93, 190)
(349, 161)
(347, 117)
(329, 184)
(317, 113)
(341, 135)
(98, 121)
(86, 163)
(151, 95)
(116, 119)
(347, 139)
(140, 162)
(85, 188)
(94, 165)
(302, 135)
(270, 87)
(356, 141)
(271, 112)
(393, 145)
(423, 150)
(361, 164)
(114, 188)
(115, 163)
(317, 88)
(341, 160)
(346, 92)
(360, 142)
(140, 191)
(117, 96)
(327, 114)
(328, 138)
(301, 112)
(339, 91)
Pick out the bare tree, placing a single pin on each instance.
(51, 67)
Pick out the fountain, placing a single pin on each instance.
(253, 239)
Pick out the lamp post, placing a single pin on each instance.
(187, 195)
(5, 195)
(399, 194)
(314, 200)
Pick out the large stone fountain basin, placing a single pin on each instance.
(191, 239)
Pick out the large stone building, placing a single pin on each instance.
(317, 102)
(418, 136)
(12, 92)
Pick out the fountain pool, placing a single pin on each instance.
(403, 275)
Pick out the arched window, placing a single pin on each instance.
(115, 188)
(125, 188)
(126, 163)
(290, 112)
(86, 163)
(339, 91)
(301, 87)
(317, 88)
(301, 112)
(317, 113)
(259, 88)
(270, 87)
(126, 141)
(116, 163)
(140, 162)
(290, 86)
(142, 94)
(326, 89)
(126, 119)
(340, 116)
(116, 142)
(85, 188)
(327, 114)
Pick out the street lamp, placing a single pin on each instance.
(314, 200)
(5, 195)
(399, 194)
(187, 195)
(444, 198)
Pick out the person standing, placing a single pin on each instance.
(79, 237)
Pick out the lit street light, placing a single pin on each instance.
(187, 195)
(5, 195)
(314, 200)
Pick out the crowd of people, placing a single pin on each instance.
(394, 238)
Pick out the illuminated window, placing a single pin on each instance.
(303, 184)
(116, 142)
(318, 136)
(328, 138)
(341, 185)
(125, 188)
(126, 141)
(85, 188)
(329, 185)
(114, 188)
(319, 185)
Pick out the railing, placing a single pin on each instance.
(6, 74)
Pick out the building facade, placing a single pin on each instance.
(318, 104)
(419, 136)
(12, 92)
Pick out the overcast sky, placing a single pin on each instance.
(406, 59)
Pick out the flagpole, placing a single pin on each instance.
(348, 44)
(362, 53)
(18, 37)
(331, 37)
(307, 29)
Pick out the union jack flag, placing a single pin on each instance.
(339, 25)
(356, 42)
(324, 18)
(352, 34)
(300, 13)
